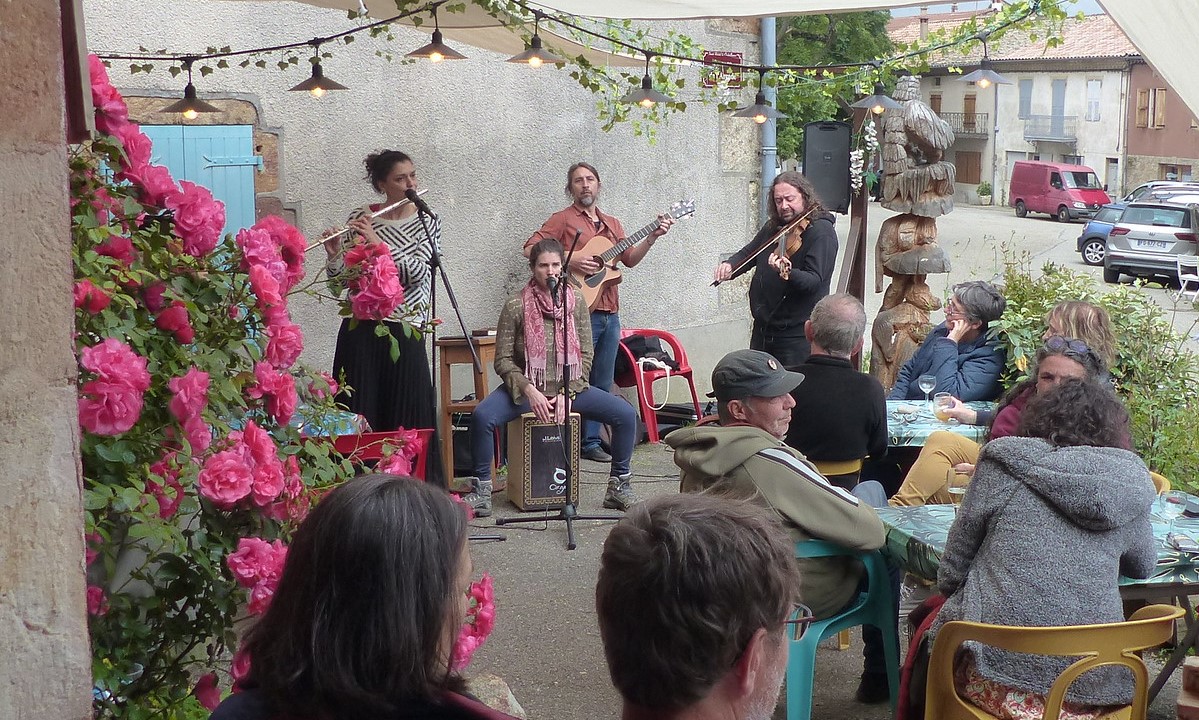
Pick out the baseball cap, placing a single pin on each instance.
(751, 373)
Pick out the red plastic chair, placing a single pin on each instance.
(369, 446)
(643, 377)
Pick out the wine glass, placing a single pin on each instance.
(956, 484)
(927, 383)
(1170, 505)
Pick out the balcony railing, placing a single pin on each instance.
(1056, 128)
(967, 124)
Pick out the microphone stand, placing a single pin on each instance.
(567, 513)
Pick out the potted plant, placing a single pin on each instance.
(984, 193)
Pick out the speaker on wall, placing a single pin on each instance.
(826, 162)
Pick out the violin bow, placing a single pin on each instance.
(780, 237)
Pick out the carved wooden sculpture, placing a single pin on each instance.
(917, 183)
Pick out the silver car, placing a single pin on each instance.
(1147, 238)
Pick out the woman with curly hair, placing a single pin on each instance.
(1059, 506)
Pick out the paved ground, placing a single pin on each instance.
(546, 644)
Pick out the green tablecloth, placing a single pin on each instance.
(916, 540)
(909, 423)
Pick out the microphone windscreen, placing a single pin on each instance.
(552, 282)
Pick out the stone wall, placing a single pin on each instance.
(45, 663)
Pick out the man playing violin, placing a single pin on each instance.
(573, 227)
(795, 253)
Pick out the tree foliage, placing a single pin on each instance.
(813, 40)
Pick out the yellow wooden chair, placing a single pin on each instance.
(1110, 644)
(1161, 482)
(833, 467)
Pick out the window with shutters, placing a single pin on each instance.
(1157, 107)
(969, 167)
(1025, 98)
(934, 102)
(1142, 108)
(1094, 88)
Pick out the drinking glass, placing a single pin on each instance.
(926, 383)
(957, 483)
(942, 401)
(1170, 505)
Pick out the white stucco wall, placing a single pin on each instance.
(1097, 140)
(492, 142)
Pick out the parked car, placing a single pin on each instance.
(1146, 239)
(1159, 186)
(1092, 243)
(1066, 192)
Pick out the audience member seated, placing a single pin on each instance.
(1058, 359)
(966, 359)
(367, 612)
(693, 600)
(1054, 514)
(841, 414)
(745, 457)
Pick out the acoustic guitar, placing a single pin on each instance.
(606, 253)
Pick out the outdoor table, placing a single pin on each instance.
(916, 541)
(910, 422)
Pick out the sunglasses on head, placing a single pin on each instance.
(1058, 343)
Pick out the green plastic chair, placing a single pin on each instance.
(875, 606)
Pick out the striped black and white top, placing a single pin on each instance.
(410, 250)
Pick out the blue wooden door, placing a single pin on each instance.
(219, 157)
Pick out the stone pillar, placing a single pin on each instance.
(45, 663)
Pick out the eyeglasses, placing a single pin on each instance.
(1058, 343)
(800, 618)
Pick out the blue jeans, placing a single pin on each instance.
(498, 409)
(605, 336)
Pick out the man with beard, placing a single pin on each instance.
(779, 306)
(687, 639)
(574, 226)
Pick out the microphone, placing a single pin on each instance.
(552, 282)
(420, 204)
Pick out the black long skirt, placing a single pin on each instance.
(388, 394)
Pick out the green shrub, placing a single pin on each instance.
(1155, 373)
(984, 188)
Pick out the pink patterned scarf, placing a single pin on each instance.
(538, 307)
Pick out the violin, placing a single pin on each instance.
(790, 240)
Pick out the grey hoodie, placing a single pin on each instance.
(1041, 538)
(747, 462)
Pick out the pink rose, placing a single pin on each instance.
(198, 434)
(291, 245)
(168, 493)
(207, 692)
(199, 218)
(153, 296)
(279, 389)
(138, 147)
(92, 542)
(254, 560)
(241, 666)
(155, 182)
(374, 284)
(266, 468)
(260, 598)
(119, 247)
(284, 344)
(265, 287)
(113, 361)
(225, 478)
(323, 386)
(395, 464)
(174, 319)
(97, 70)
(108, 408)
(190, 393)
(111, 112)
(293, 482)
(90, 297)
(258, 248)
(106, 205)
(97, 603)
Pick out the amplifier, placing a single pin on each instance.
(537, 463)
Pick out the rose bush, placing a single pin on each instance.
(194, 475)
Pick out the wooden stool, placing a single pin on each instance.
(455, 351)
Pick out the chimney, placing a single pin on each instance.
(923, 26)
(953, 7)
(996, 6)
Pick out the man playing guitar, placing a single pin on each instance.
(574, 226)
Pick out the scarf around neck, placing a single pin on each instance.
(538, 307)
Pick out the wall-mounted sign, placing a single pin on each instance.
(720, 75)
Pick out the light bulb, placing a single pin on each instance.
(191, 114)
(877, 109)
(534, 61)
(646, 103)
(436, 57)
(983, 83)
(317, 92)
(759, 118)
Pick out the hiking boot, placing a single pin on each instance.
(480, 498)
(873, 689)
(596, 454)
(620, 495)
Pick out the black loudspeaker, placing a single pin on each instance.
(826, 162)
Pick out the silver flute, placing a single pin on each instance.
(375, 214)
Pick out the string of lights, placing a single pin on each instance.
(536, 55)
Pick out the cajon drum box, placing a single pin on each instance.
(536, 463)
